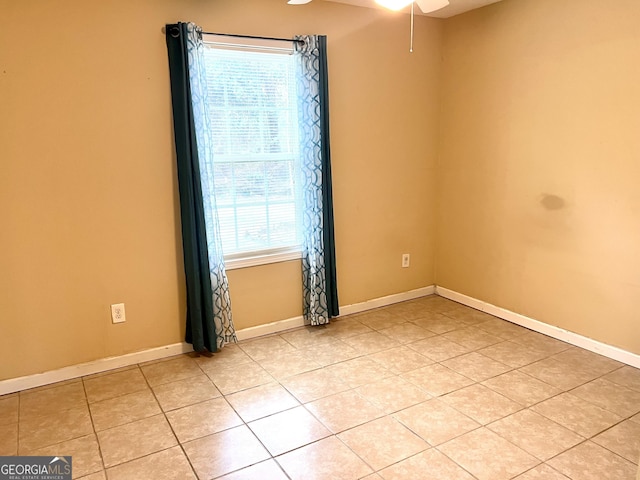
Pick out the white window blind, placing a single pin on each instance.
(254, 113)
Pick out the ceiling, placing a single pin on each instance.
(455, 7)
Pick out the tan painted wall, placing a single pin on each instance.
(541, 98)
(88, 191)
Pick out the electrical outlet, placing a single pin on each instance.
(406, 260)
(117, 313)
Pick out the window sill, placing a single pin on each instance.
(262, 258)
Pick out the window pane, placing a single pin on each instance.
(282, 223)
(223, 183)
(253, 106)
(250, 184)
(279, 176)
(252, 228)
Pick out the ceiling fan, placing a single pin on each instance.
(426, 6)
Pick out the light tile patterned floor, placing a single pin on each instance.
(426, 389)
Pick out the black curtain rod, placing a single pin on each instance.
(253, 36)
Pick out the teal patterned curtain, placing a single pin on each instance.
(209, 322)
(320, 296)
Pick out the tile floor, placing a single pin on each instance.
(426, 389)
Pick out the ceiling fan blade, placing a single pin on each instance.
(298, 2)
(431, 5)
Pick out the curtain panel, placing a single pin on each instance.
(320, 294)
(209, 323)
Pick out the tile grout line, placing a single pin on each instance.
(93, 427)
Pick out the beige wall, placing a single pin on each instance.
(88, 192)
(538, 198)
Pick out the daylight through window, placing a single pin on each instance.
(254, 115)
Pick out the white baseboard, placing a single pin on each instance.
(268, 328)
(388, 300)
(104, 364)
(573, 338)
(74, 371)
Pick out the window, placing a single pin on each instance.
(254, 114)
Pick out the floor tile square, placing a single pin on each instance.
(589, 461)
(582, 417)
(408, 310)
(358, 371)
(231, 379)
(347, 327)
(8, 440)
(323, 356)
(626, 376)
(427, 465)
(327, 459)
(258, 402)
(439, 323)
(380, 318)
(535, 434)
(44, 430)
(224, 452)
(307, 336)
(436, 303)
(406, 332)
(230, 356)
(502, 328)
(513, 354)
(52, 400)
(123, 409)
(437, 379)
(310, 386)
(370, 342)
(469, 315)
(183, 393)
(8, 410)
(84, 450)
(623, 439)
(610, 396)
(481, 403)
(472, 338)
(400, 359)
(134, 440)
(268, 470)
(541, 472)
(559, 374)
(202, 419)
(344, 410)
(392, 394)
(368, 442)
(288, 430)
(172, 370)
(289, 364)
(95, 476)
(104, 387)
(265, 348)
(589, 361)
(438, 348)
(170, 464)
(540, 342)
(488, 456)
(521, 388)
(476, 366)
(436, 422)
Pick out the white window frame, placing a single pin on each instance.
(267, 256)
